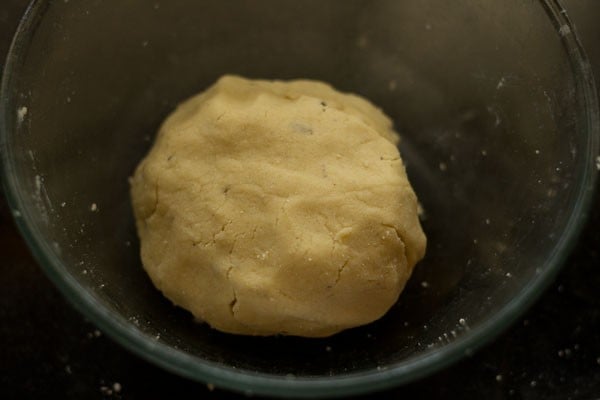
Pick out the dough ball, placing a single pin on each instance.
(277, 208)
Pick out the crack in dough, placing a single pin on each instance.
(339, 272)
(233, 302)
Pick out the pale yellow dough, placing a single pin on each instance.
(270, 207)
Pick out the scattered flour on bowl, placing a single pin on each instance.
(564, 30)
(501, 83)
(21, 114)
(41, 198)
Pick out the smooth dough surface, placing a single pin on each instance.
(272, 207)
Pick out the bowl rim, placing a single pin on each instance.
(249, 382)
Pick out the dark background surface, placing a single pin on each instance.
(48, 350)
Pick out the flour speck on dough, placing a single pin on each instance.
(277, 207)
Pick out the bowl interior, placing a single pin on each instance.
(494, 137)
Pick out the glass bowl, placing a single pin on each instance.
(499, 117)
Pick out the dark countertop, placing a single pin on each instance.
(48, 350)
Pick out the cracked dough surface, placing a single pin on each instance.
(271, 207)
